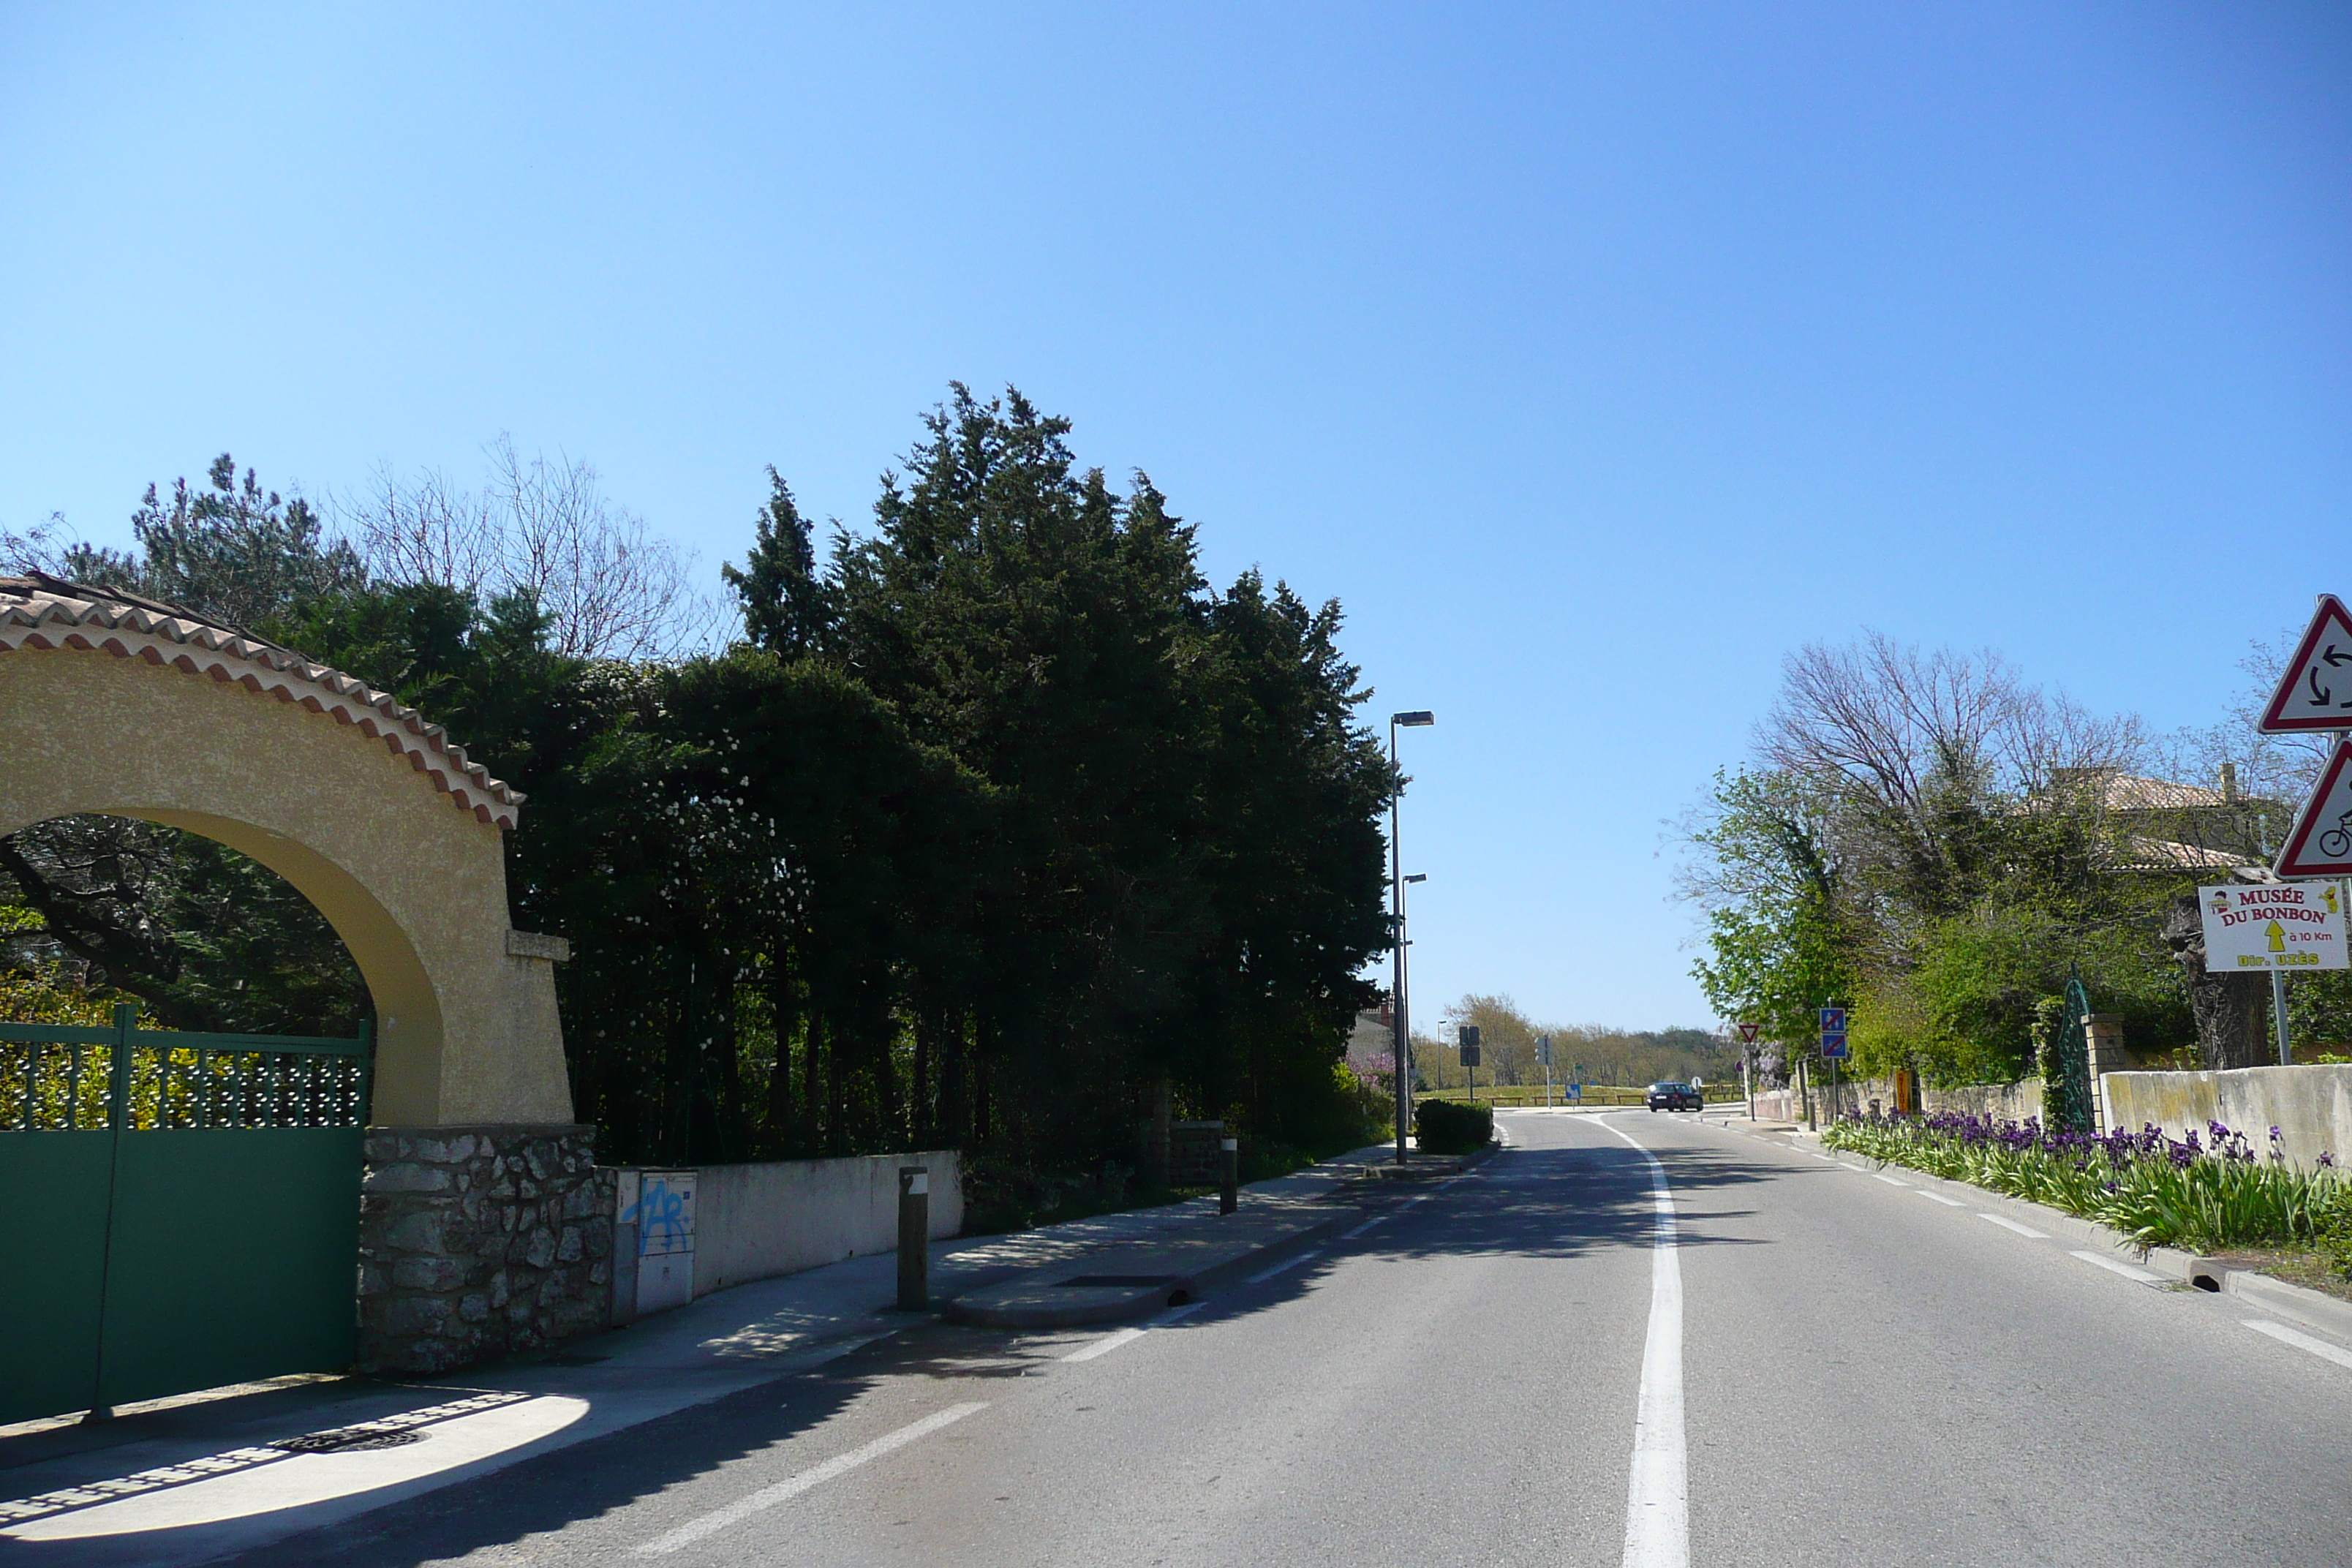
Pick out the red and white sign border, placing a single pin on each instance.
(2290, 865)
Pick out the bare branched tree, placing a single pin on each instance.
(610, 588)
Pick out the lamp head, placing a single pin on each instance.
(1413, 719)
(1418, 876)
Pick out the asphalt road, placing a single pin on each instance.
(1829, 1368)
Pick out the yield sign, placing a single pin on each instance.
(1746, 1032)
(2320, 844)
(2315, 692)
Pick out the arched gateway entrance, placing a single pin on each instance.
(478, 1233)
(120, 706)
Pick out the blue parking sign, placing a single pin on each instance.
(1833, 1047)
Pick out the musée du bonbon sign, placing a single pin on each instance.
(2274, 925)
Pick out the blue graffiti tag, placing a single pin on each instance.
(659, 1212)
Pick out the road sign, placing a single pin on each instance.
(1833, 1034)
(2315, 692)
(1746, 1032)
(2320, 842)
(1543, 1050)
(2274, 925)
(1468, 1037)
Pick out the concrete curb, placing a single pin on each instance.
(1039, 1300)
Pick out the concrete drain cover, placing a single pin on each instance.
(1118, 1281)
(345, 1441)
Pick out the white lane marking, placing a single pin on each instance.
(1112, 1341)
(1657, 1487)
(786, 1490)
(1351, 1235)
(1262, 1274)
(2008, 1224)
(1890, 1181)
(2128, 1270)
(1850, 1166)
(1105, 1345)
(2287, 1336)
(1938, 1197)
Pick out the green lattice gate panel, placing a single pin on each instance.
(56, 1186)
(234, 1256)
(195, 1201)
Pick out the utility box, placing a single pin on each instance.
(660, 1212)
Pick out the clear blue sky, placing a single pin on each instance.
(1592, 357)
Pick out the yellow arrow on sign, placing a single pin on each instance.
(2278, 938)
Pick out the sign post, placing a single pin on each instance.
(1747, 1076)
(1833, 1050)
(1543, 1055)
(1467, 1036)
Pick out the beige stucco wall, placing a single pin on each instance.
(2310, 1106)
(413, 884)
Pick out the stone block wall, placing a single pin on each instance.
(477, 1242)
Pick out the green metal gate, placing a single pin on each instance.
(2067, 1098)
(188, 1210)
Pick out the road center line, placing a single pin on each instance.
(786, 1490)
(1351, 1235)
(2285, 1335)
(2008, 1224)
(1657, 1487)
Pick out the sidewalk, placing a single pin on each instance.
(183, 1482)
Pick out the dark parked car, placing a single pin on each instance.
(1676, 1097)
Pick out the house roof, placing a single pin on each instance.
(38, 611)
(2120, 790)
(2163, 855)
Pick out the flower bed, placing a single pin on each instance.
(2205, 1194)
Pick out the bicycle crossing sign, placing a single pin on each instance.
(2315, 692)
(2286, 926)
(2320, 842)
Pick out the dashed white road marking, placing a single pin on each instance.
(786, 1490)
(1940, 1198)
(1657, 1489)
(1890, 1181)
(2128, 1270)
(1850, 1166)
(2008, 1224)
(1119, 1337)
(1105, 1345)
(1262, 1274)
(1376, 1219)
(2300, 1341)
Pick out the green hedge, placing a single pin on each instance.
(1445, 1128)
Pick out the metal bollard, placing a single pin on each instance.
(1229, 1175)
(914, 1237)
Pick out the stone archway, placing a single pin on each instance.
(114, 704)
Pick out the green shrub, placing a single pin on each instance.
(1446, 1127)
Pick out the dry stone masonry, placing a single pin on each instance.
(476, 1242)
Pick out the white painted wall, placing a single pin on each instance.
(778, 1217)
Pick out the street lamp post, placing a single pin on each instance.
(1403, 1063)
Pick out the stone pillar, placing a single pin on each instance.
(477, 1242)
(2103, 1034)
